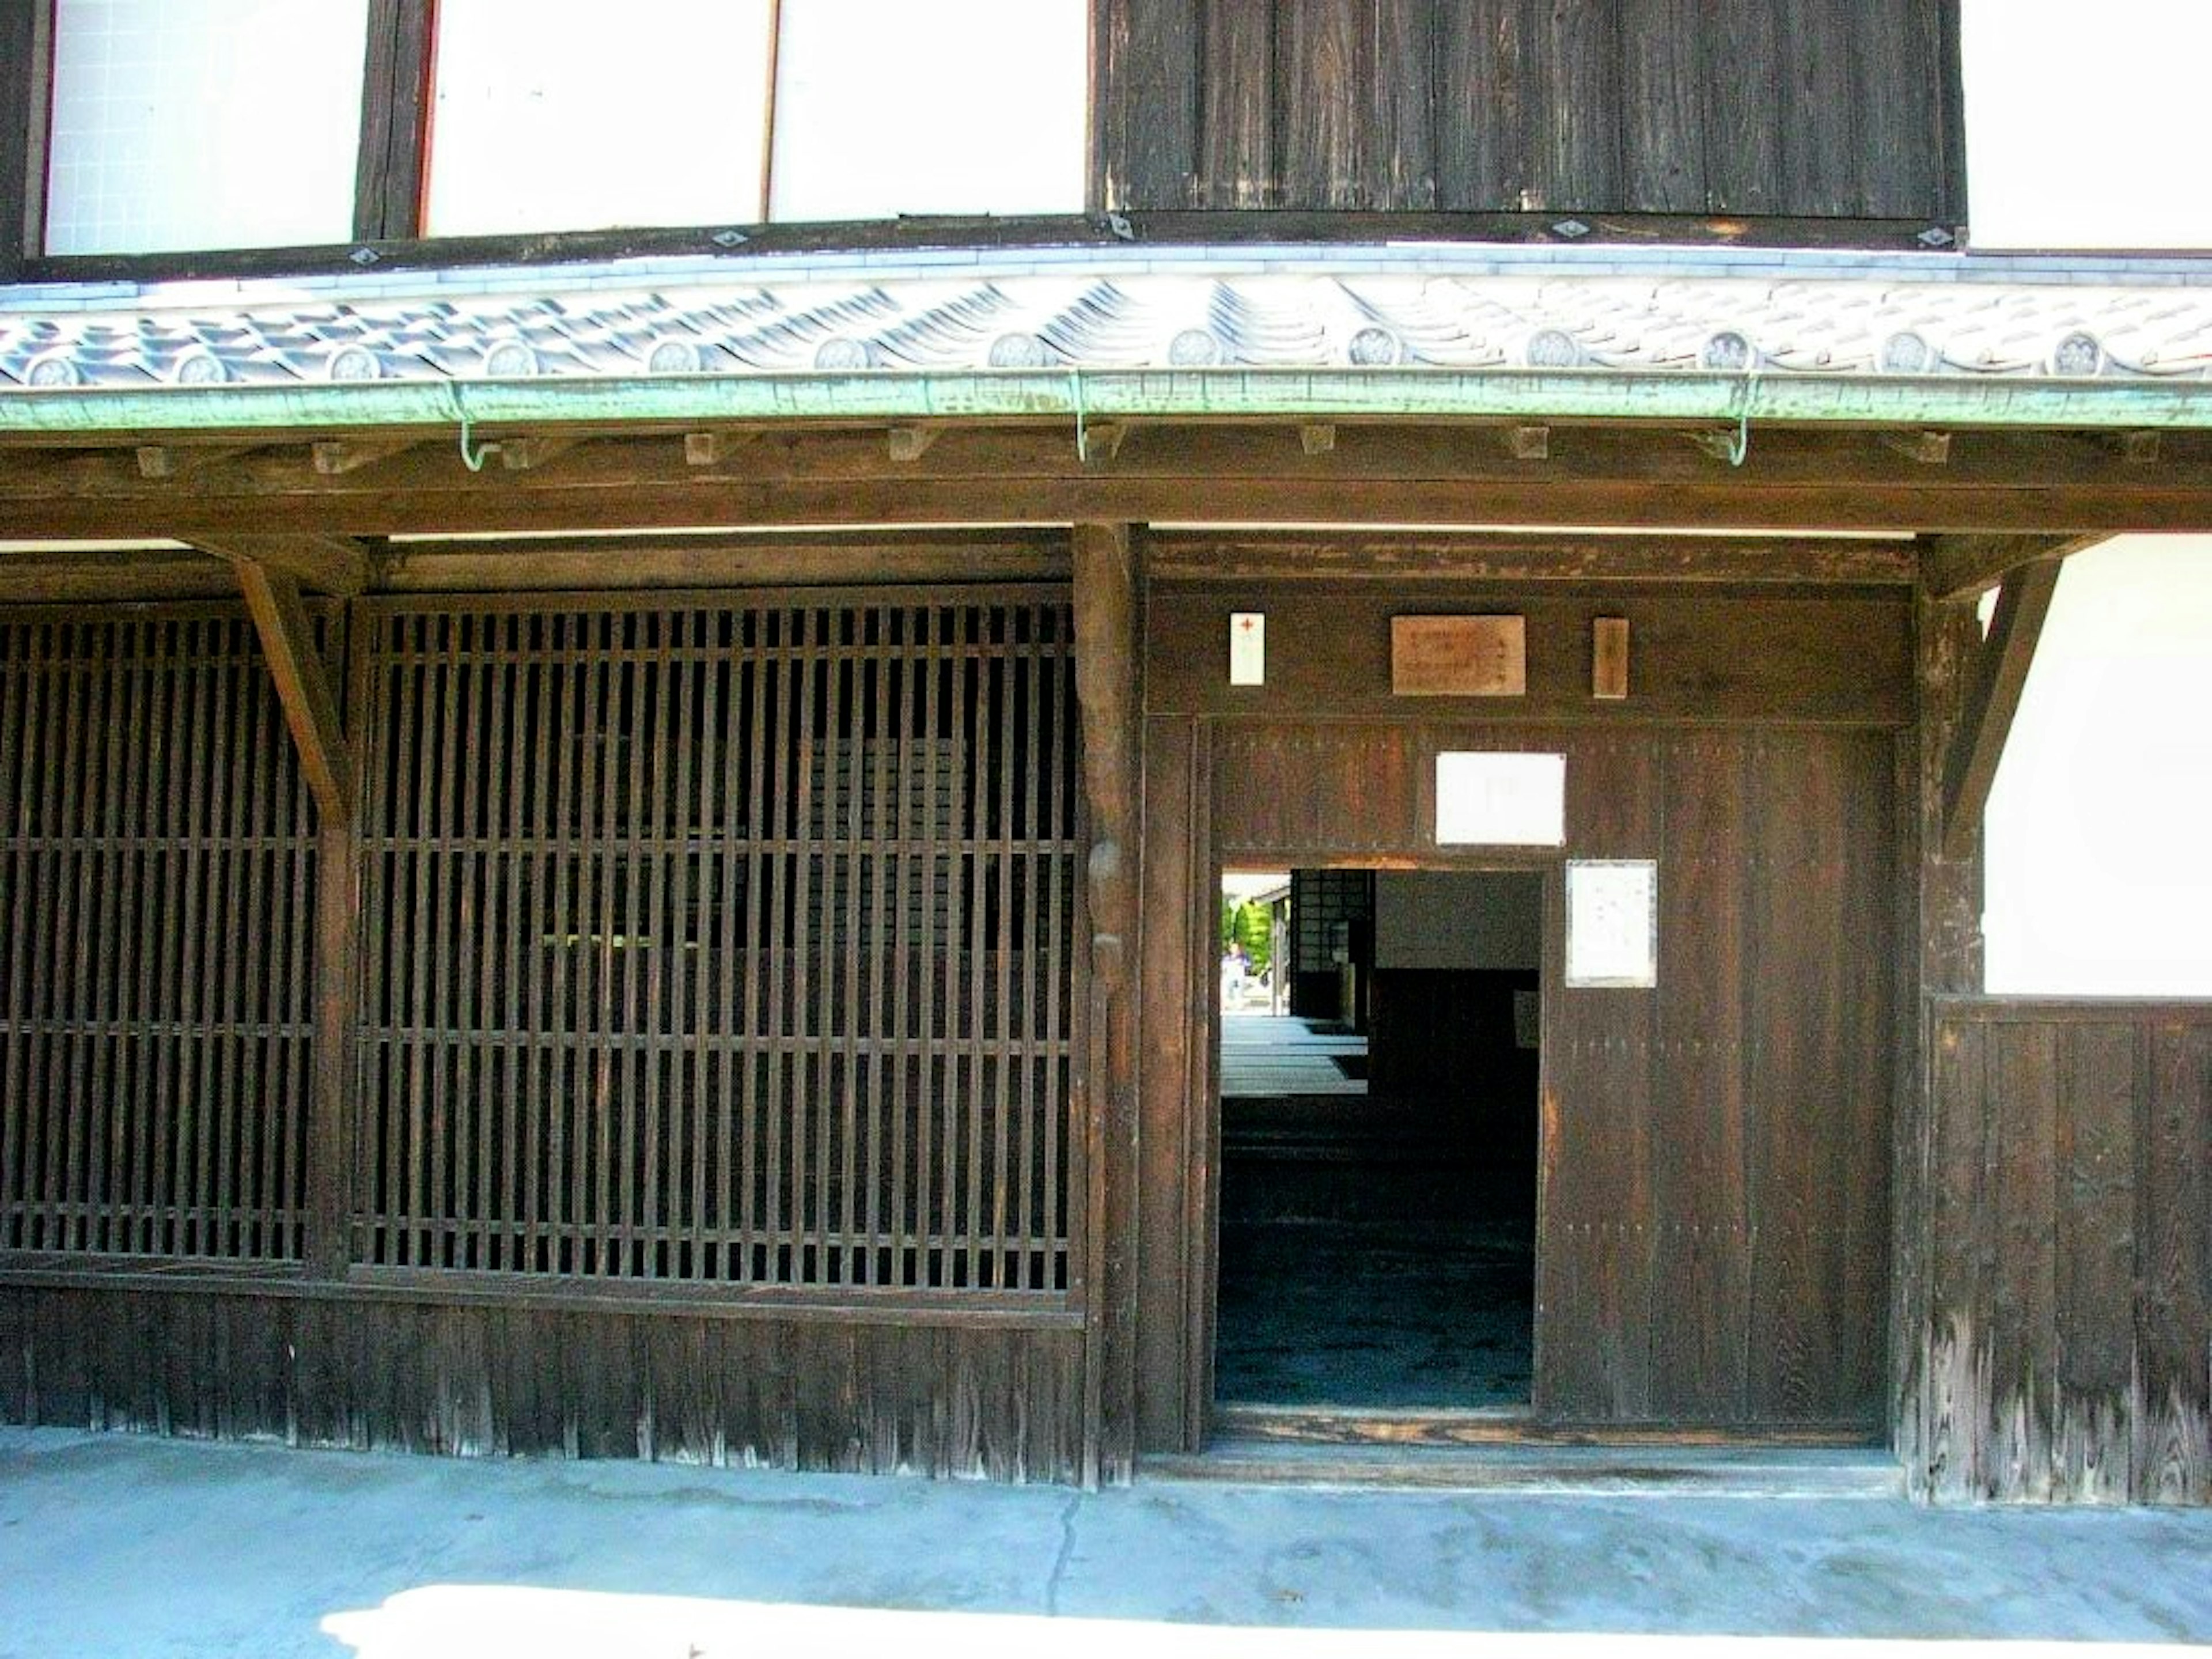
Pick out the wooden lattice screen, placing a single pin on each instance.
(157, 878)
(716, 941)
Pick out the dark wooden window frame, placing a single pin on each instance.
(393, 155)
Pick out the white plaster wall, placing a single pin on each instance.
(2099, 844)
(2085, 122)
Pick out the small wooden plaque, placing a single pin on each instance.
(1610, 659)
(1459, 656)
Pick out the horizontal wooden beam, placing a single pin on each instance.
(95, 575)
(1200, 556)
(336, 565)
(1966, 567)
(774, 560)
(1792, 479)
(303, 686)
(2000, 677)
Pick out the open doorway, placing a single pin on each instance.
(1379, 1079)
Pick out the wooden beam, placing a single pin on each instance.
(904, 444)
(2013, 483)
(2000, 676)
(1529, 443)
(521, 454)
(774, 559)
(1966, 567)
(158, 461)
(1106, 655)
(1923, 448)
(94, 574)
(329, 564)
(395, 121)
(1105, 685)
(303, 685)
(335, 457)
(1505, 556)
(25, 60)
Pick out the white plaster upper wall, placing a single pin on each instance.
(2086, 129)
(2085, 123)
(2099, 826)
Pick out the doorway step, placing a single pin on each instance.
(1502, 1451)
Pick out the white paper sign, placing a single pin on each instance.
(1501, 800)
(1248, 648)
(1613, 922)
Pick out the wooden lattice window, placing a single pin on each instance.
(157, 880)
(720, 942)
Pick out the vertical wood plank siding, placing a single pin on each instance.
(1713, 1241)
(720, 943)
(1815, 108)
(1715, 1231)
(2069, 1334)
(158, 858)
(509, 1379)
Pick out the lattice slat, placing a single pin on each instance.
(157, 853)
(720, 942)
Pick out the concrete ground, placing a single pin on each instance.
(123, 1546)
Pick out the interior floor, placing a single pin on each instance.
(1379, 1150)
(1375, 1315)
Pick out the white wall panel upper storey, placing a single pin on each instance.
(196, 123)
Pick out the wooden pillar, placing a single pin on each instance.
(1942, 955)
(390, 169)
(1107, 647)
(312, 710)
(26, 33)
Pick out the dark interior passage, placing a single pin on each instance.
(1378, 1188)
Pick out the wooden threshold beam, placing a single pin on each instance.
(1967, 567)
(336, 565)
(1999, 678)
(303, 686)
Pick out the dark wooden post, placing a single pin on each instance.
(312, 710)
(25, 29)
(1106, 664)
(390, 170)
(1943, 953)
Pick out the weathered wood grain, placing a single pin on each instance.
(2067, 1323)
(488, 1380)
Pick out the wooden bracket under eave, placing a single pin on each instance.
(2000, 676)
(336, 565)
(1967, 567)
(303, 685)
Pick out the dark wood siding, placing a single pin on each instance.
(1715, 1235)
(863, 1397)
(2069, 1238)
(1807, 109)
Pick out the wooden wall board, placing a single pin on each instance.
(2068, 1318)
(1843, 659)
(1587, 108)
(1169, 1177)
(1595, 1266)
(423, 1376)
(1714, 1227)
